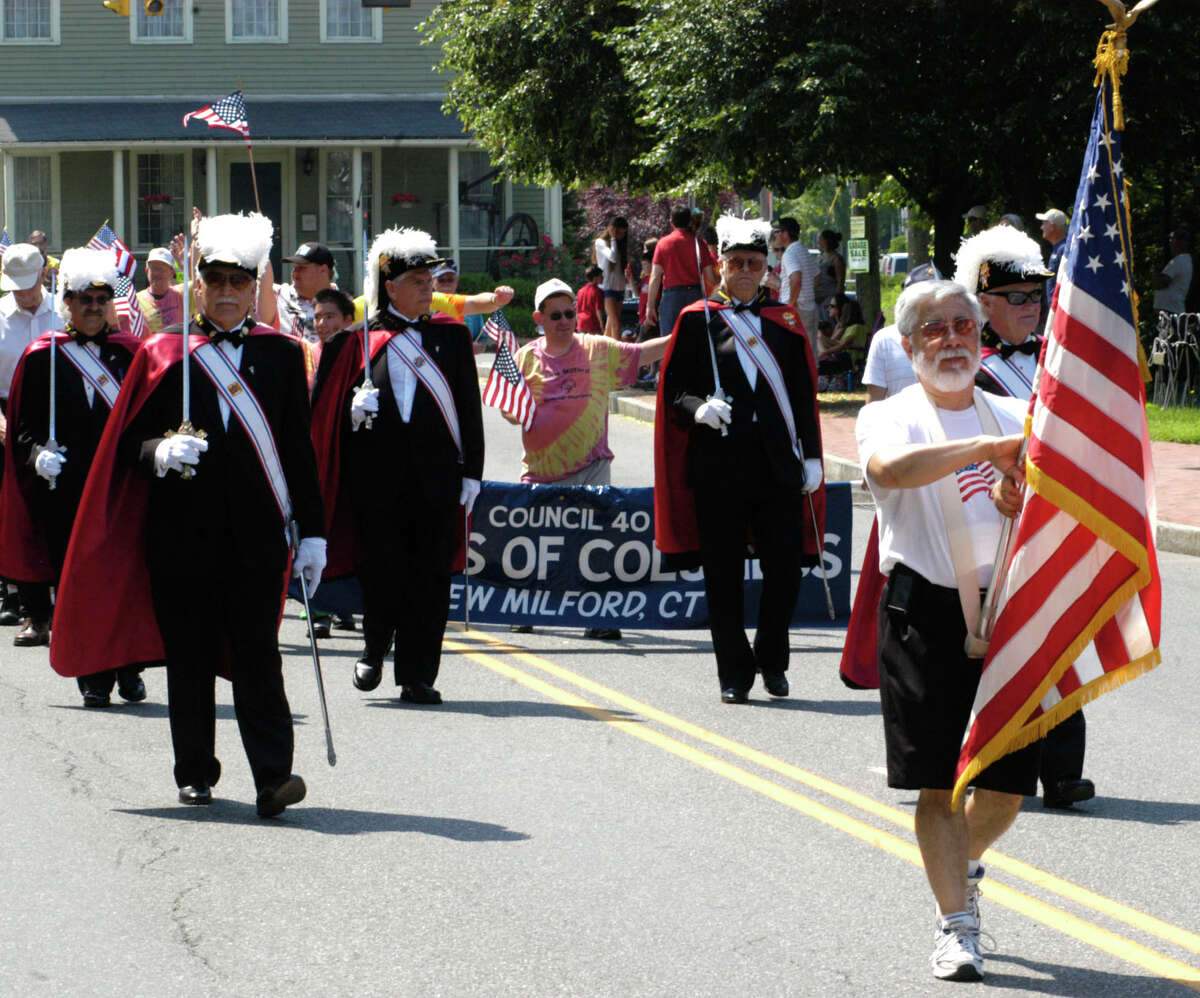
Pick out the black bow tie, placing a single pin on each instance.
(234, 336)
(748, 306)
(99, 338)
(1029, 346)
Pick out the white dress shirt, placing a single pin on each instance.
(18, 329)
(404, 382)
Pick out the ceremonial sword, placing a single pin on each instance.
(186, 427)
(52, 444)
(312, 640)
(367, 383)
(718, 391)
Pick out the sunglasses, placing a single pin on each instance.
(566, 313)
(935, 329)
(753, 264)
(89, 300)
(1019, 297)
(238, 282)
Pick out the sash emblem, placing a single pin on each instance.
(235, 388)
(103, 379)
(419, 362)
(789, 319)
(752, 342)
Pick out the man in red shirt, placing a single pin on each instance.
(674, 273)
(589, 303)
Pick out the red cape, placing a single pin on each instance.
(24, 556)
(103, 615)
(859, 667)
(344, 552)
(674, 507)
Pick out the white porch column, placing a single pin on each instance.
(210, 181)
(555, 220)
(356, 227)
(10, 196)
(118, 195)
(452, 203)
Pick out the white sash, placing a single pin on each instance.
(230, 385)
(93, 370)
(768, 367)
(962, 551)
(430, 375)
(1008, 376)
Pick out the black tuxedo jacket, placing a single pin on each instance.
(226, 517)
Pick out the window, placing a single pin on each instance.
(174, 24)
(480, 200)
(33, 196)
(256, 20)
(350, 21)
(161, 195)
(340, 200)
(29, 22)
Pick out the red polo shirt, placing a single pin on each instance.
(676, 254)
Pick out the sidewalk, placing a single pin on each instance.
(1177, 485)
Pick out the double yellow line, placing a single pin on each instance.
(1049, 915)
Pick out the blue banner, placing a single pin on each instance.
(583, 556)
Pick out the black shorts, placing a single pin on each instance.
(927, 688)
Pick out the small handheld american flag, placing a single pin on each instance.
(506, 388)
(124, 296)
(229, 112)
(5, 241)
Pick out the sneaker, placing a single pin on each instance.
(956, 955)
(973, 896)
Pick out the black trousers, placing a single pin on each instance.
(723, 519)
(1062, 752)
(405, 582)
(204, 620)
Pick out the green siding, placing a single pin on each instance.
(532, 201)
(96, 58)
(87, 179)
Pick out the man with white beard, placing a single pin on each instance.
(940, 458)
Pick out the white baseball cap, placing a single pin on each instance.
(550, 288)
(1054, 216)
(22, 267)
(161, 255)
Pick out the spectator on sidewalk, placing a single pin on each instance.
(1172, 283)
(610, 252)
(797, 272)
(1054, 231)
(888, 369)
(677, 277)
(161, 301)
(589, 304)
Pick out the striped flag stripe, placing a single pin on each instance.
(1103, 424)
(1117, 475)
(1092, 495)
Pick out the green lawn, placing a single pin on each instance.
(1177, 425)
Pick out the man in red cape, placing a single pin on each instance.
(716, 493)
(401, 462)
(44, 477)
(191, 568)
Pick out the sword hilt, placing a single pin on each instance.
(186, 428)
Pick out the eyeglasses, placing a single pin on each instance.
(88, 300)
(445, 278)
(566, 313)
(935, 329)
(1019, 297)
(751, 264)
(237, 281)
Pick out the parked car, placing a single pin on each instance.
(891, 264)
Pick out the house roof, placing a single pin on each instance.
(272, 119)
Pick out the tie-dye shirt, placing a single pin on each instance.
(570, 426)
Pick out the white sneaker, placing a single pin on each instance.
(956, 955)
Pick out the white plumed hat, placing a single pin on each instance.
(236, 240)
(82, 268)
(735, 233)
(997, 257)
(392, 253)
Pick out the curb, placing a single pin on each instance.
(1177, 538)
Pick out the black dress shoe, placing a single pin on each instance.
(1068, 792)
(602, 633)
(94, 698)
(512, 628)
(195, 793)
(35, 632)
(133, 690)
(344, 622)
(776, 683)
(273, 800)
(366, 675)
(420, 693)
(731, 694)
(10, 606)
(320, 627)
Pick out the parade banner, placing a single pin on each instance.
(584, 556)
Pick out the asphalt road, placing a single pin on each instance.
(579, 818)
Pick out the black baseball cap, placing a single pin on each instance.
(312, 253)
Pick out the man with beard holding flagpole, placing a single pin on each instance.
(401, 461)
(62, 393)
(1004, 268)
(182, 543)
(737, 458)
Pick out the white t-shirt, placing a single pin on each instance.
(1173, 298)
(912, 529)
(888, 366)
(797, 257)
(18, 329)
(609, 260)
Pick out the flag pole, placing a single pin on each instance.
(250, 153)
(52, 443)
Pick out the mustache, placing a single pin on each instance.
(950, 353)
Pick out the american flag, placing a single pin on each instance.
(229, 112)
(506, 388)
(5, 241)
(1080, 606)
(975, 479)
(124, 295)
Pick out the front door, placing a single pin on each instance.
(270, 197)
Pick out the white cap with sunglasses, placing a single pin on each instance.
(550, 288)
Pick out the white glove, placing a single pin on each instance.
(364, 403)
(175, 451)
(469, 493)
(48, 463)
(310, 561)
(813, 473)
(714, 413)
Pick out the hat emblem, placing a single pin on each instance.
(985, 274)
